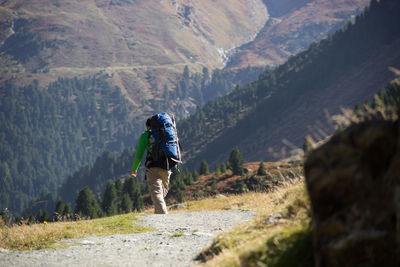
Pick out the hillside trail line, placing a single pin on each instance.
(178, 238)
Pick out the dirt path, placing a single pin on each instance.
(178, 239)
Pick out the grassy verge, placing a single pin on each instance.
(292, 247)
(40, 236)
(280, 234)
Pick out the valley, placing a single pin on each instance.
(144, 47)
(166, 62)
(287, 116)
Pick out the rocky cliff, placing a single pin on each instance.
(354, 186)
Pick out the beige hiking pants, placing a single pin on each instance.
(158, 181)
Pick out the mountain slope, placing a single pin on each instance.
(292, 26)
(143, 43)
(340, 71)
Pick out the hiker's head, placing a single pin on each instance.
(148, 123)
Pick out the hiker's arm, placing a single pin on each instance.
(140, 151)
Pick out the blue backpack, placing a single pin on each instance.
(165, 149)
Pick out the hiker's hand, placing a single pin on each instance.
(133, 174)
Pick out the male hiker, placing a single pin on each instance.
(162, 145)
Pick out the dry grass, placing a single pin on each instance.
(235, 247)
(40, 236)
(247, 201)
(250, 200)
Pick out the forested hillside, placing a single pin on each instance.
(47, 134)
(200, 88)
(107, 167)
(339, 71)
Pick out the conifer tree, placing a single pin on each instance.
(236, 161)
(206, 77)
(217, 171)
(186, 75)
(31, 219)
(195, 175)
(133, 188)
(228, 166)
(144, 188)
(242, 188)
(110, 199)
(261, 169)
(180, 196)
(214, 187)
(60, 206)
(67, 211)
(119, 186)
(129, 187)
(139, 204)
(42, 216)
(126, 203)
(223, 167)
(188, 177)
(87, 205)
(204, 168)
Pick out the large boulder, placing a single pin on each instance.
(354, 187)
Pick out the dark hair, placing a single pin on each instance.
(148, 122)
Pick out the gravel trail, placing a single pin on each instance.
(178, 239)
